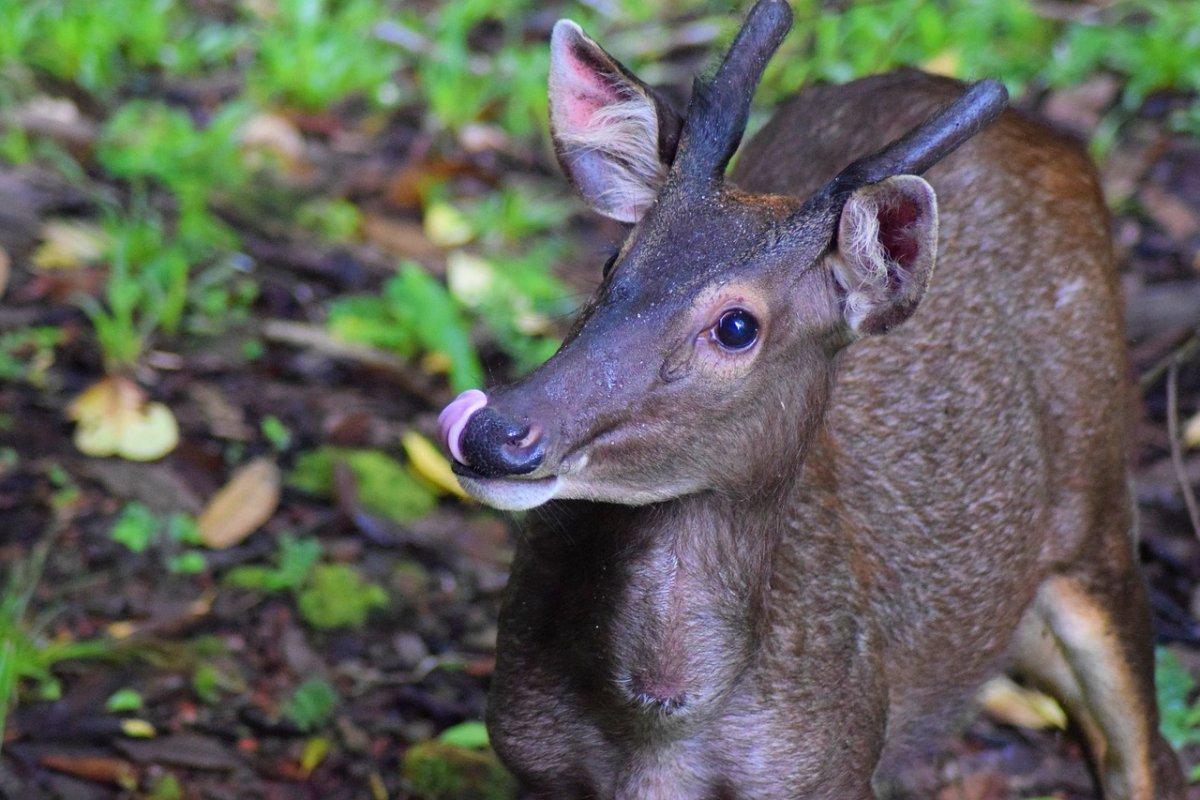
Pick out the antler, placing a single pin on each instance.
(719, 109)
(924, 145)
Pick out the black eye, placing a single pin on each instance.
(608, 265)
(737, 329)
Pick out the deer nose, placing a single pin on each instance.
(488, 441)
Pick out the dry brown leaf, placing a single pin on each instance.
(99, 769)
(5, 270)
(242, 505)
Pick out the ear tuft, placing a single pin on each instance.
(605, 125)
(887, 248)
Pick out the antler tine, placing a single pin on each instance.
(719, 109)
(928, 143)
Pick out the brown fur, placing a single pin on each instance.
(847, 546)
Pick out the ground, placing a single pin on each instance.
(318, 634)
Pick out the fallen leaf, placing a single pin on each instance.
(137, 729)
(5, 270)
(1191, 431)
(315, 750)
(948, 63)
(68, 244)
(113, 419)
(272, 138)
(93, 768)
(242, 505)
(1010, 704)
(471, 279)
(430, 464)
(446, 226)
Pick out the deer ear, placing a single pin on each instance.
(614, 136)
(886, 250)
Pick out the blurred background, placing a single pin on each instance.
(248, 248)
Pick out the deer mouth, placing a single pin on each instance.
(507, 493)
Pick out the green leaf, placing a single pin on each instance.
(440, 771)
(472, 735)
(312, 704)
(337, 597)
(278, 434)
(191, 562)
(414, 312)
(1180, 713)
(136, 528)
(385, 486)
(295, 562)
(124, 700)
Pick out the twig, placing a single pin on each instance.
(1185, 485)
(318, 339)
(1175, 357)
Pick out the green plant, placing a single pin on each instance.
(25, 653)
(440, 771)
(327, 595)
(25, 355)
(151, 141)
(278, 434)
(294, 563)
(385, 486)
(139, 529)
(1178, 705)
(314, 53)
(123, 701)
(413, 314)
(311, 705)
(332, 220)
(338, 597)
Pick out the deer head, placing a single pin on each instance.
(704, 360)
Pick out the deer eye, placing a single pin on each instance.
(737, 329)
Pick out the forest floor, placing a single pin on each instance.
(168, 678)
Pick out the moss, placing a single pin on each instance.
(439, 771)
(385, 486)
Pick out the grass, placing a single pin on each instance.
(310, 56)
(26, 654)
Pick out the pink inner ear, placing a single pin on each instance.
(897, 221)
(582, 89)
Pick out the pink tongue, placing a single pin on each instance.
(455, 417)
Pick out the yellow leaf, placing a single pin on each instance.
(113, 419)
(315, 750)
(137, 729)
(470, 279)
(430, 464)
(378, 789)
(121, 629)
(947, 62)
(1015, 705)
(445, 226)
(69, 245)
(1191, 432)
(242, 505)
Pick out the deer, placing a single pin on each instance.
(791, 495)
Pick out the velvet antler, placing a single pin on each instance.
(719, 108)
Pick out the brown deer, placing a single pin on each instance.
(797, 496)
